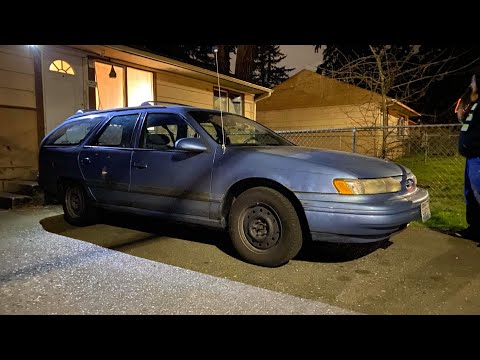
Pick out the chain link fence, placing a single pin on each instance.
(389, 142)
(430, 151)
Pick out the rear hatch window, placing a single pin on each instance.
(73, 133)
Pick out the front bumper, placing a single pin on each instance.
(367, 220)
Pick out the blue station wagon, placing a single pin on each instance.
(225, 171)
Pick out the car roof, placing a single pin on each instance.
(95, 112)
(177, 108)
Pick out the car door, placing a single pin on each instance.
(167, 180)
(105, 162)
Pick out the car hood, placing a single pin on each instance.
(361, 166)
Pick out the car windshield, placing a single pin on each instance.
(239, 131)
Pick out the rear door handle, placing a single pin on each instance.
(85, 161)
(140, 165)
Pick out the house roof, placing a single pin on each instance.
(121, 53)
(310, 89)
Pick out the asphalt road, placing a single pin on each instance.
(417, 272)
(52, 272)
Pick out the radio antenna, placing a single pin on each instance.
(215, 50)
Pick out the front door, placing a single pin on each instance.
(165, 179)
(63, 86)
(105, 162)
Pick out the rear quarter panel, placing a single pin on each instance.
(57, 162)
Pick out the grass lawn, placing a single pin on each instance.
(443, 178)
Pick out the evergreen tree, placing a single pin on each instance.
(266, 70)
(199, 55)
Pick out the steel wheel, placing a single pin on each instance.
(264, 227)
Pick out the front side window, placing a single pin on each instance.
(161, 131)
(118, 132)
(74, 132)
(238, 130)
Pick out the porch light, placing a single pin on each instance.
(112, 74)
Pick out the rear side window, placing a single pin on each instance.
(118, 132)
(74, 132)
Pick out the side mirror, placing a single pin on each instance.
(191, 145)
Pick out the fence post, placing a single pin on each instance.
(426, 146)
(354, 139)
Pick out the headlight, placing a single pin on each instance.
(366, 186)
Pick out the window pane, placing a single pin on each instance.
(53, 67)
(236, 104)
(230, 102)
(139, 86)
(74, 132)
(61, 66)
(220, 101)
(109, 93)
(118, 132)
(161, 131)
(239, 131)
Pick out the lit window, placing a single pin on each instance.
(139, 86)
(61, 66)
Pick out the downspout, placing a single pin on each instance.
(263, 97)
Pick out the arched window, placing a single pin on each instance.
(61, 66)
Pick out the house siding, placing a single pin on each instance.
(249, 102)
(321, 117)
(18, 116)
(17, 81)
(184, 90)
(309, 101)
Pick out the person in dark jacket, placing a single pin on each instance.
(469, 147)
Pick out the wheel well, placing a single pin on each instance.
(63, 180)
(246, 184)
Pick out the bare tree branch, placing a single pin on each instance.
(402, 73)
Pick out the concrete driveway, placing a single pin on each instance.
(418, 272)
(47, 273)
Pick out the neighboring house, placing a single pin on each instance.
(40, 86)
(310, 101)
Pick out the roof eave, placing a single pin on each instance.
(191, 68)
(402, 105)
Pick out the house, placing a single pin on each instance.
(40, 86)
(310, 101)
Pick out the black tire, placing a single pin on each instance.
(264, 227)
(77, 209)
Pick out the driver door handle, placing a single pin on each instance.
(140, 165)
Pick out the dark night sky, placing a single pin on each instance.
(298, 57)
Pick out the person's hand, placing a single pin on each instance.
(474, 87)
(460, 113)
